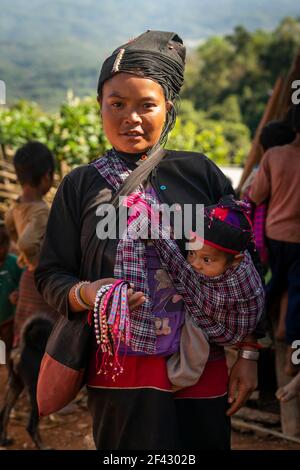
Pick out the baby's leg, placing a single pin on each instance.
(290, 390)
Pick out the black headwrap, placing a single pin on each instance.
(158, 55)
(227, 225)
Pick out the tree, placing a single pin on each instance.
(243, 65)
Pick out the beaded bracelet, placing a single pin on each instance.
(82, 297)
(111, 324)
(77, 296)
(97, 310)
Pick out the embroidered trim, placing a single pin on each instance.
(131, 388)
(200, 398)
(117, 61)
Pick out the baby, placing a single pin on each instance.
(229, 280)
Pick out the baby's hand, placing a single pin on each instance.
(135, 299)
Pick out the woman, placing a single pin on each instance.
(137, 91)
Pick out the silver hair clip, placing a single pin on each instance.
(118, 60)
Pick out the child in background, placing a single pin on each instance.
(229, 281)
(26, 223)
(10, 274)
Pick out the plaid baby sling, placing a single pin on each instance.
(221, 321)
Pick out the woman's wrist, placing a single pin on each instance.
(78, 293)
(76, 302)
(249, 354)
(252, 346)
(250, 343)
(249, 348)
(82, 295)
(88, 291)
(73, 304)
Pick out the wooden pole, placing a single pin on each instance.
(277, 107)
(241, 425)
(285, 101)
(289, 411)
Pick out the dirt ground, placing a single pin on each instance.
(72, 431)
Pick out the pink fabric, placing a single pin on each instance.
(259, 223)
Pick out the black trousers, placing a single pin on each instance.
(153, 420)
(203, 424)
(285, 267)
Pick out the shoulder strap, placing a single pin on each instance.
(139, 175)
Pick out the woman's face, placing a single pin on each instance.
(133, 112)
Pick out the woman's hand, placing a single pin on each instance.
(242, 382)
(89, 291)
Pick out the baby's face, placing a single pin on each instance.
(208, 261)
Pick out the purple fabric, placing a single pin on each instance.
(258, 216)
(233, 219)
(167, 309)
(259, 223)
(167, 306)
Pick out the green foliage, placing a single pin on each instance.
(50, 46)
(22, 122)
(74, 134)
(225, 142)
(231, 77)
(227, 84)
(187, 136)
(229, 110)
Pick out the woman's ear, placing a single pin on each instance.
(169, 105)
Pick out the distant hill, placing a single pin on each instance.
(48, 46)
